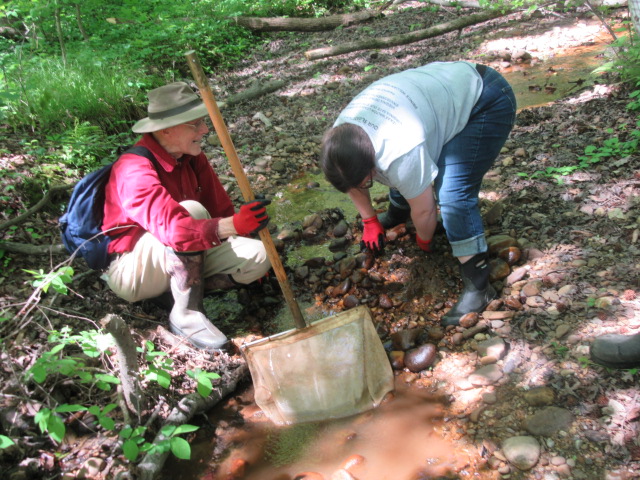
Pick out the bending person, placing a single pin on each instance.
(430, 134)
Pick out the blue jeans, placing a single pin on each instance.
(465, 159)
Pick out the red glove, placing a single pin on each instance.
(251, 218)
(424, 245)
(373, 235)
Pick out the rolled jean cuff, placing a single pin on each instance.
(470, 246)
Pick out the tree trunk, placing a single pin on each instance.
(406, 38)
(285, 24)
(63, 52)
(634, 13)
(80, 25)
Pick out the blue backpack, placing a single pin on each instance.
(81, 224)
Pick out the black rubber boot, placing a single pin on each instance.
(616, 351)
(187, 317)
(394, 216)
(477, 292)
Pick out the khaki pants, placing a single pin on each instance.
(142, 273)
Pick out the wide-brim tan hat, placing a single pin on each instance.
(170, 105)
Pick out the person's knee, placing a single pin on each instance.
(195, 209)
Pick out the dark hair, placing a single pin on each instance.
(347, 156)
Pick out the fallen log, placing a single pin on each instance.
(320, 24)
(411, 37)
(152, 463)
(254, 91)
(28, 249)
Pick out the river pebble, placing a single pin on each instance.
(419, 358)
(522, 451)
(486, 375)
(539, 396)
(548, 421)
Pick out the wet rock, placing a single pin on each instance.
(513, 302)
(539, 396)
(417, 359)
(350, 301)
(486, 375)
(495, 347)
(532, 288)
(469, 320)
(511, 255)
(301, 272)
(562, 330)
(457, 338)
(568, 290)
(365, 260)
(405, 339)
(516, 275)
(341, 289)
(312, 220)
(341, 229)
(396, 358)
(436, 333)
(494, 214)
(315, 262)
(548, 421)
(523, 451)
(287, 235)
(384, 301)
(346, 266)
(357, 277)
(338, 244)
(535, 302)
(499, 242)
(499, 269)
(309, 233)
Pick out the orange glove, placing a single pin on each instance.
(425, 245)
(373, 235)
(251, 218)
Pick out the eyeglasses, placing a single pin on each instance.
(198, 124)
(367, 183)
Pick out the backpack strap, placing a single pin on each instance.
(141, 152)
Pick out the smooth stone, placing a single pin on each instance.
(548, 421)
(522, 451)
(420, 358)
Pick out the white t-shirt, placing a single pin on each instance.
(410, 115)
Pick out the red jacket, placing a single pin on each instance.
(146, 195)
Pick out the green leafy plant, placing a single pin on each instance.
(57, 280)
(203, 379)
(5, 442)
(159, 365)
(612, 147)
(92, 344)
(134, 442)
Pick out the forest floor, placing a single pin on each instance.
(563, 241)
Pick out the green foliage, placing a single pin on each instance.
(134, 442)
(159, 365)
(203, 379)
(57, 280)
(53, 96)
(53, 362)
(611, 148)
(5, 442)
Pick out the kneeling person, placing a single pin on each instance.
(172, 224)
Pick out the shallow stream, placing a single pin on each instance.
(399, 440)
